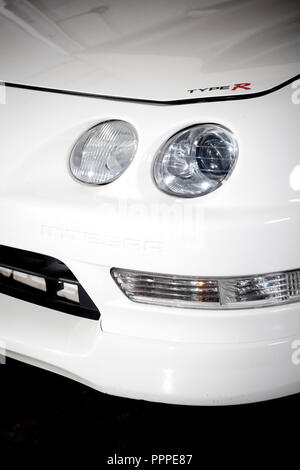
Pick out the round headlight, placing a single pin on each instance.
(104, 152)
(195, 161)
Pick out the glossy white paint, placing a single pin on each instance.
(250, 225)
(154, 49)
(257, 208)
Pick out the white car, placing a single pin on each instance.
(150, 195)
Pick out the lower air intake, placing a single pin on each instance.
(44, 281)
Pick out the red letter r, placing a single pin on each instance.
(244, 86)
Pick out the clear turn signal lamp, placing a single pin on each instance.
(221, 293)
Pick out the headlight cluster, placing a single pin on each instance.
(194, 162)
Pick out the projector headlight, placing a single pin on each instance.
(195, 161)
(104, 152)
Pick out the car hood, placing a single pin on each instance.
(154, 50)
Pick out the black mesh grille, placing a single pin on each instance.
(53, 274)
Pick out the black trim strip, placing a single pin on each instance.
(156, 102)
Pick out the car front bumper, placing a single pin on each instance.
(191, 373)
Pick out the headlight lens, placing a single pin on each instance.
(195, 161)
(104, 152)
